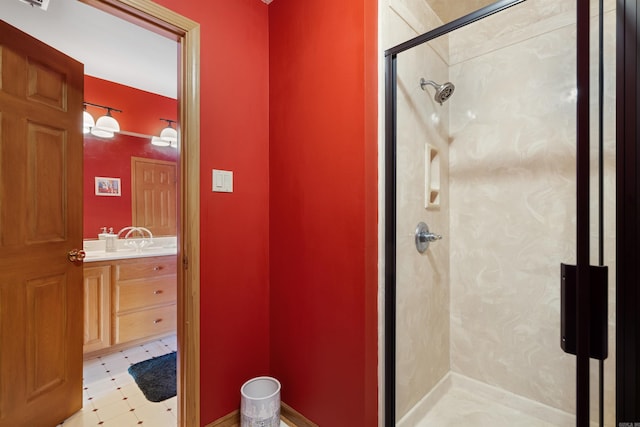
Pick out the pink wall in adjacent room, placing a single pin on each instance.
(234, 257)
(323, 215)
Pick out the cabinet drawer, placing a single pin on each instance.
(145, 268)
(137, 294)
(141, 324)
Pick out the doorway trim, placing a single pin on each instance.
(186, 32)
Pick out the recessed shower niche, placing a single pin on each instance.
(431, 177)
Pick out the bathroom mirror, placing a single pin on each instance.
(112, 158)
(140, 115)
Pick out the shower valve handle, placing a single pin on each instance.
(424, 237)
(429, 237)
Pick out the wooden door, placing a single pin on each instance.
(41, 93)
(153, 192)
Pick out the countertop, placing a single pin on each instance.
(157, 246)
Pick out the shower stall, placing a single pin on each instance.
(485, 151)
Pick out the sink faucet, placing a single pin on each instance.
(133, 241)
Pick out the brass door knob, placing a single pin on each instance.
(76, 255)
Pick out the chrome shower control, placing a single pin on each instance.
(424, 237)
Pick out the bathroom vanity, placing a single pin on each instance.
(129, 297)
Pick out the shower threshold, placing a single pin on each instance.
(461, 401)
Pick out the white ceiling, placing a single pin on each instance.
(110, 48)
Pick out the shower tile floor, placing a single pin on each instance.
(111, 396)
(462, 401)
(459, 407)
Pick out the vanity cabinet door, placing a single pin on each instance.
(97, 307)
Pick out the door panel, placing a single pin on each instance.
(46, 330)
(45, 183)
(41, 95)
(46, 85)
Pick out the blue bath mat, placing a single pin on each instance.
(156, 377)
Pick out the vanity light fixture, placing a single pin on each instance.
(168, 136)
(106, 126)
(87, 121)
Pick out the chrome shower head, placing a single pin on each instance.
(443, 92)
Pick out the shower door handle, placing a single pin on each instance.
(424, 237)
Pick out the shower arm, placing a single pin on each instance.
(424, 82)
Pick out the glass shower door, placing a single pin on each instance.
(491, 169)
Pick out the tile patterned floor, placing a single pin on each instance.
(111, 397)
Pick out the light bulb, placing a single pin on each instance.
(87, 122)
(169, 134)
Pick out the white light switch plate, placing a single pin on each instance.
(222, 181)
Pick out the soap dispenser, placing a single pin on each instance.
(110, 244)
(103, 234)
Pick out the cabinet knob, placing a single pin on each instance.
(157, 321)
(157, 268)
(158, 292)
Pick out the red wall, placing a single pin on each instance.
(141, 111)
(234, 287)
(323, 208)
(288, 261)
(112, 157)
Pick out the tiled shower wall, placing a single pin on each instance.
(422, 280)
(512, 196)
(485, 301)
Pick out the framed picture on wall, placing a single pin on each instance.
(108, 186)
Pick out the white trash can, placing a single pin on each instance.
(260, 404)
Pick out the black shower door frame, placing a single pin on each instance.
(627, 213)
(582, 199)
